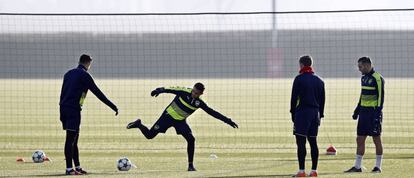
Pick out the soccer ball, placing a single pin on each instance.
(124, 164)
(38, 156)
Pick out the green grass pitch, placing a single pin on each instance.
(263, 146)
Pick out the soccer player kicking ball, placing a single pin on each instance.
(186, 102)
(369, 110)
(76, 84)
(307, 107)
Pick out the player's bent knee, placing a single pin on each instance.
(150, 135)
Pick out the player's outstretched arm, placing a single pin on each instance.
(219, 116)
(99, 94)
(157, 91)
(172, 90)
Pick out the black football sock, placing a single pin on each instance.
(314, 152)
(70, 139)
(301, 151)
(76, 151)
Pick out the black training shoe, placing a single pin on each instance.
(81, 171)
(353, 169)
(191, 169)
(135, 124)
(73, 172)
(376, 170)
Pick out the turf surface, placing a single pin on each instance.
(263, 146)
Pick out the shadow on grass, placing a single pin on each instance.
(64, 175)
(267, 175)
(98, 174)
(336, 158)
(41, 175)
(333, 174)
(328, 174)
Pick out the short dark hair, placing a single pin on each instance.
(365, 60)
(199, 86)
(305, 60)
(84, 59)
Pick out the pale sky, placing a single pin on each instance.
(133, 24)
(163, 6)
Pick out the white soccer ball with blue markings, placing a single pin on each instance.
(38, 156)
(124, 164)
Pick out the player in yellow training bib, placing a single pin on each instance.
(185, 103)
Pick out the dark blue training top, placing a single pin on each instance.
(308, 92)
(76, 84)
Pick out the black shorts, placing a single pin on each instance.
(369, 123)
(306, 122)
(166, 121)
(70, 118)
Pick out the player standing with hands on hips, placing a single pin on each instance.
(76, 84)
(307, 107)
(369, 113)
(185, 103)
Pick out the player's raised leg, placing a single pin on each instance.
(135, 124)
(149, 134)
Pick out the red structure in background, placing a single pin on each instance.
(274, 63)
